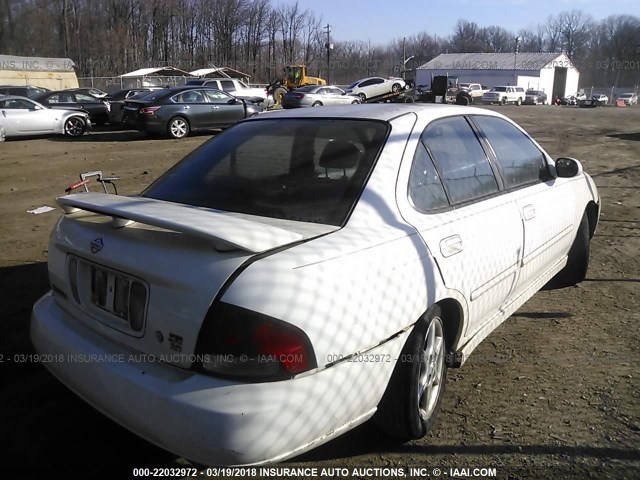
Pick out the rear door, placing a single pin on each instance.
(472, 230)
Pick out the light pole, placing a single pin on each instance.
(404, 63)
(515, 61)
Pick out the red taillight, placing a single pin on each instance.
(239, 343)
(149, 110)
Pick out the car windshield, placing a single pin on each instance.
(309, 170)
(626, 95)
(533, 92)
(354, 84)
(499, 89)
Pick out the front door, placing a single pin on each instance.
(226, 109)
(23, 117)
(546, 204)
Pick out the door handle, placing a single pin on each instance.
(186, 107)
(215, 107)
(529, 212)
(451, 245)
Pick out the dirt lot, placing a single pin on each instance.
(553, 393)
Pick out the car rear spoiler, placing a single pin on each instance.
(225, 231)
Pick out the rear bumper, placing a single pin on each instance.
(149, 125)
(202, 418)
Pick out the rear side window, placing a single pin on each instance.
(228, 85)
(425, 188)
(463, 165)
(521, 161)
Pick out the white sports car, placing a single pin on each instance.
(305, 271)
(22, 116)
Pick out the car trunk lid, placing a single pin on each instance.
(176, 258)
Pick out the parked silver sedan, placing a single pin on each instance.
(22, 116)
(317, 96)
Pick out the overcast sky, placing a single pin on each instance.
(380, 21)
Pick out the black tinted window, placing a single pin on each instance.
(425, 188)
(465, 169)
(305, 170)
(228, 85)
(520, 160)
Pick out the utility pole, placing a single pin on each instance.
(329, 47)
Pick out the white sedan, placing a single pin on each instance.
(306, 271)
(21, 116)
(372, 88)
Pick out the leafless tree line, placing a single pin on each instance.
(111, 37)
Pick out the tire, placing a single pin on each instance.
(395, 88)
(413, 397)
(278, 95)
(462, 100)
(178, 127)
(575, 271)
(363, 97)
(74, 127)
(519, 101)
(316, 104)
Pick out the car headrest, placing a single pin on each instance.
(339, 154)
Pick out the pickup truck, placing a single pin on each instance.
(233, 87)
(504, 95)
(465, 93)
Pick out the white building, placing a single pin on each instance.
(554, 73)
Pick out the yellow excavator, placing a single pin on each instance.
(294, 76)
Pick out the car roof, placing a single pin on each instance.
(369, 78)
(12, 97)
(378, 111)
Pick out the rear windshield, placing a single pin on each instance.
(151, 96)
(309, 170)
(499, 89)
(308, 88)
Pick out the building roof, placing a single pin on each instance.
(203, 72)
(158, 71)
(36, 64)
(492, 61)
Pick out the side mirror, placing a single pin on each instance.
(567, 167)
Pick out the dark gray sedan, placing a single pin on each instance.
(176, 111)
(535, 97)
(317, 96)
